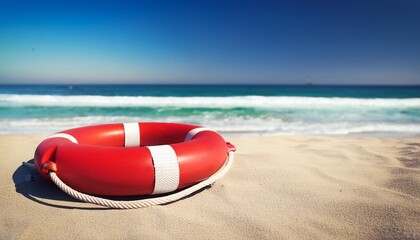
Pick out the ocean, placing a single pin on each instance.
(231, 110)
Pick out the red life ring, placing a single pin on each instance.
(132, 158)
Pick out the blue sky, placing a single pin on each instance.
(199, 42)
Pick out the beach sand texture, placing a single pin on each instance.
(279, 188)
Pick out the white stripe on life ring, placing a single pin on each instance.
(194, 131)
(166, 168)
(63, 135)
(131, 134)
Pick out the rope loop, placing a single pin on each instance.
(143, 202)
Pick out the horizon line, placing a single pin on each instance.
(209, 84)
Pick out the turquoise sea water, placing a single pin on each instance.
(330, 110)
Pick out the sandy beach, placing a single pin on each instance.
(303, 187)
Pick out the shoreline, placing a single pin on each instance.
(240, 134)
(291, 187)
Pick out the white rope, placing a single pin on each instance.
(144, 202)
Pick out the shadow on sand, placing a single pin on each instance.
(33, 186)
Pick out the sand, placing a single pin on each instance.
(279, 188)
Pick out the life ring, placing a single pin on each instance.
(132, 158)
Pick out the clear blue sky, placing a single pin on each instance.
(274, 42)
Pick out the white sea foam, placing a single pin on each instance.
(13, 100)
(227, 126)
(341, 116)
